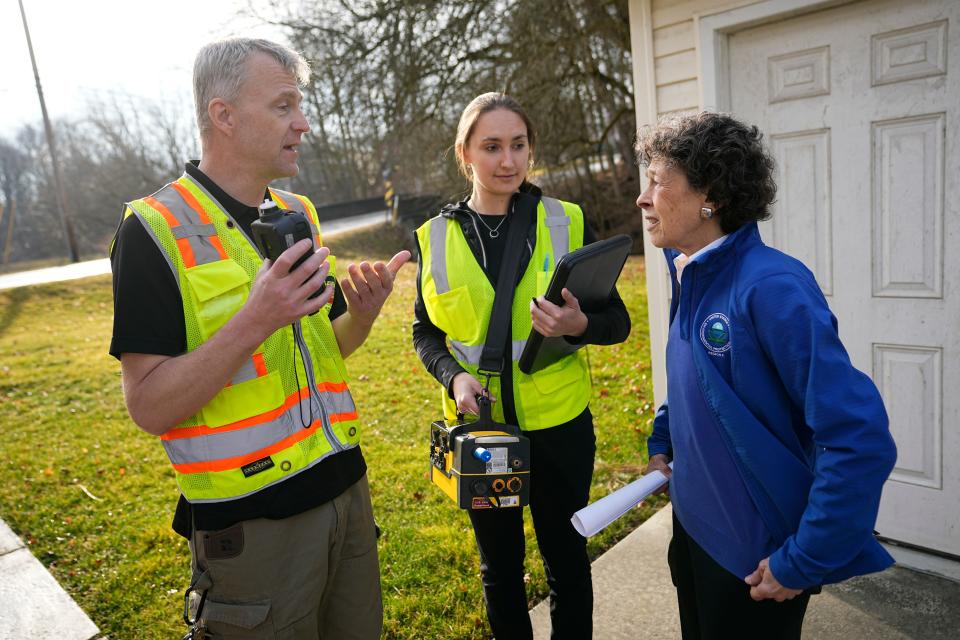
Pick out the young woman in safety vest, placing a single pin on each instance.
(461, 251)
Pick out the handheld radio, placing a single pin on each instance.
(279, 229)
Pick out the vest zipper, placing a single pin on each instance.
(314, 393)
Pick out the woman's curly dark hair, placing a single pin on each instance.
(721, 157)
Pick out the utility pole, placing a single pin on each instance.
(11, 209)
(54, 160)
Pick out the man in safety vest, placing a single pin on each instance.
(240, 373)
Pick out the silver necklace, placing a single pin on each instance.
(493, 232)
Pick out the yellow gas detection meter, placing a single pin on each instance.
(480, 464)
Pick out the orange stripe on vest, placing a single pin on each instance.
(186, 251)
(259, 365)
(226, 464)
(292, 399)
(204, 218)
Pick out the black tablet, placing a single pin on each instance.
(590, 274)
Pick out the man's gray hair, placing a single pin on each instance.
(218, 71)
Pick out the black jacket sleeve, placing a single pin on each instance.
(608, 323)
(429, 341)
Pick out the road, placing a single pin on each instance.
(102, 266)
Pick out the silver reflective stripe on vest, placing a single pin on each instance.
(246, 372)
(314, 462)
(471, 353)
(217, 445)
(558, 222)
(438, 255)
(517, 349)
(294, 203)
(199, 187)
(187, 230)
(203, 249)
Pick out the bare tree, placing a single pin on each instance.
(390, 80)
(391, 77)
(14, 167)
(122, 148)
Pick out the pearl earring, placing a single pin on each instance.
(706, 213)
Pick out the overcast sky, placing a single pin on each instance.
(88, 49)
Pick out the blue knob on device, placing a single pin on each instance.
(482, 454)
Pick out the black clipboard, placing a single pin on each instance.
(590, 274)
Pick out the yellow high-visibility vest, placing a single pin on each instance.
(458, 298)
(251, 434)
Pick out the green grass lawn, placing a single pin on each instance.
(93, 496)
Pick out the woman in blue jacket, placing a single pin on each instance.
(780, 446)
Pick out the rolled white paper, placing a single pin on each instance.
(595, 517)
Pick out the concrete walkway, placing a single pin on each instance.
(635, 598)
(32, 604)
(55, 274)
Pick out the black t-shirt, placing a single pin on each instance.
(494, 243)
(148, 318)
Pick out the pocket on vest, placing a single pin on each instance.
(244, 400)
(455, 314)
(558, 375)
(219, 289)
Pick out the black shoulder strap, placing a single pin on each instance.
(523, 206)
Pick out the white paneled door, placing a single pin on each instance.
(861, 106)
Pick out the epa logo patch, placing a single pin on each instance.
(715, 333)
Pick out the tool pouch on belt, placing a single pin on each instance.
(483, 464)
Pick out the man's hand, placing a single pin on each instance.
(764, 586)
(280, 297)
(365, 290)
(368, 287)
(465, 389)
(550, 320)
(660, 463)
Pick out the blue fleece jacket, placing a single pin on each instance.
(807, 431)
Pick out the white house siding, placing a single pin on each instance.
(664, 44)
(675, 50)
